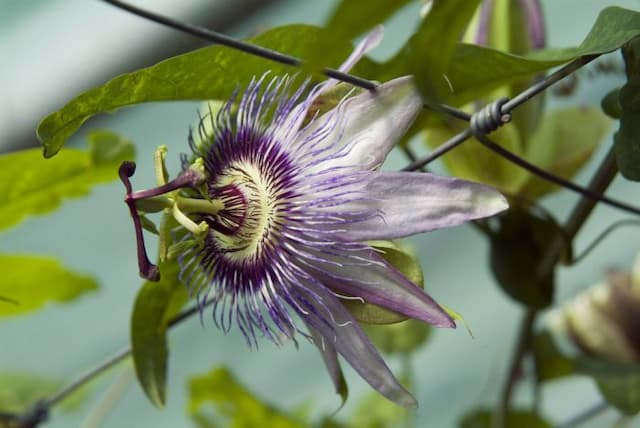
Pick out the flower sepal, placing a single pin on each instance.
(404, 260)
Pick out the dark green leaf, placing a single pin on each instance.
(432, 47)
(403, 260)
(611, 104)
(351, 18)
(29, 282)
(481, 418)
(236, 406)
(550, 362)
(565, 140)
(518, 247)
(31, 185)
(209, 73)
(155, 304)
(475, 70)
(622, 392)
(619, 383)
(627, 139)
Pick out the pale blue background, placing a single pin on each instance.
(94, 235)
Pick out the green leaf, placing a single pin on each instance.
(622, 392)
(375, 411)
(155, 304)
(611, 104)
(31, 185)
(236, 406)
(627, 139)
(474, 70)
(29, 282)
(619, 383)
(472, 161)
(432, 47)
(209, 73)
(400, 338)
(406, 262)
(565, 140)
(518, 247)
(481, 418)
(351, 18)
(550, 362)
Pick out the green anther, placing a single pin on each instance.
(160, 167)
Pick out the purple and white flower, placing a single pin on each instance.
(296, 201)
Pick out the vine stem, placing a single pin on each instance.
(600, 181)
(39, 411)
(249, 48)
(585, 415)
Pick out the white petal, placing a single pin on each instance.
(298, 114)
(364, 128)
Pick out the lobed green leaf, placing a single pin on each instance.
(29, 282)
(31, 185)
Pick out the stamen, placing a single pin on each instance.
(190, 225)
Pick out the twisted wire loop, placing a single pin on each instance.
(489, 118)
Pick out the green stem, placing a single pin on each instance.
(190, 205)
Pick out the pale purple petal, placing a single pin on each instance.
(365, 274)
(298, 114)
(403, 204)
(369, 125)
(330, 358)
(324, 313)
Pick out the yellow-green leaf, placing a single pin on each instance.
(236, 406)
(209, 73)
(565, 140)
(31, 185)
(29, 282)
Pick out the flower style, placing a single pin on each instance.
(289, 200)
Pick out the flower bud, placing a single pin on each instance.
(499, 24)
(603, 320)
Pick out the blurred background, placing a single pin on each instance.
(53, 50)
